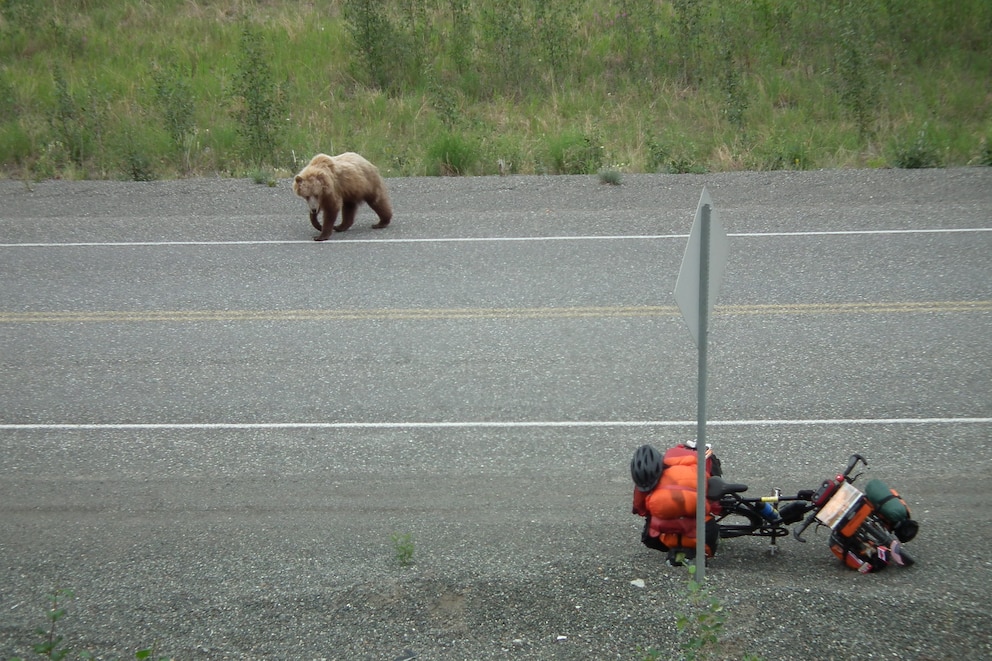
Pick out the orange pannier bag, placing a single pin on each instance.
(856, 519)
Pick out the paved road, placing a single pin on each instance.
(212, 426)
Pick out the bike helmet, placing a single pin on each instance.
(645, 468)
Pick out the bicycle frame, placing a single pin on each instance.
(739, 516)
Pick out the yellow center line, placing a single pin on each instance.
(399, 314)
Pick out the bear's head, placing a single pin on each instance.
(311, 185)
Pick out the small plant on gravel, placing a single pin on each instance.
(403, 547)
(264, 176)
(704, 624)
(610, 175)
(50, 641)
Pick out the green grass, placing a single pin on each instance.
(133, 89)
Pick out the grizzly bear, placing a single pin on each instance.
(341, 183)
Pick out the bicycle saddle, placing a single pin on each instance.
(717, 488)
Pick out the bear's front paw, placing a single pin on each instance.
(321, 238)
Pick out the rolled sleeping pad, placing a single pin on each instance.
(892, 508)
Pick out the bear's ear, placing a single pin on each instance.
(299, 179)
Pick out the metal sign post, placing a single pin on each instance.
(695, 292)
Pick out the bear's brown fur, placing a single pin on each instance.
(340, 183)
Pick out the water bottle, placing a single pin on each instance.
(768, 512)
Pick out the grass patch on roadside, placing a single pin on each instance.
(139, 90)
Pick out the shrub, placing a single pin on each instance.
(555, 34)
(919, 151)
(174, 94)
(260, 96)
(69, 120)
(392, 52)
(985, 155)
(264, 176)
(784, 153)
(684, 165)
(658, 155)
(138, 166)
(15, 144)
(507, 38)
(451, 155)
(688, 34)
(575, 153)
(8, 103)
(858, 91)
(610, 175)
(443, 97)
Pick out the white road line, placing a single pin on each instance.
(494, 239)
(246, 426)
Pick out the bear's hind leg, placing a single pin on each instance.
(384, 210)
(348, 211)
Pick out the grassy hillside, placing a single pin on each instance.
(137, 89)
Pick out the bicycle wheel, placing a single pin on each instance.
(738, 522)
(877, 532)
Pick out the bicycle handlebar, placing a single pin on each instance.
(852, 462)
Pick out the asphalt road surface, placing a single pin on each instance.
(223, 436)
